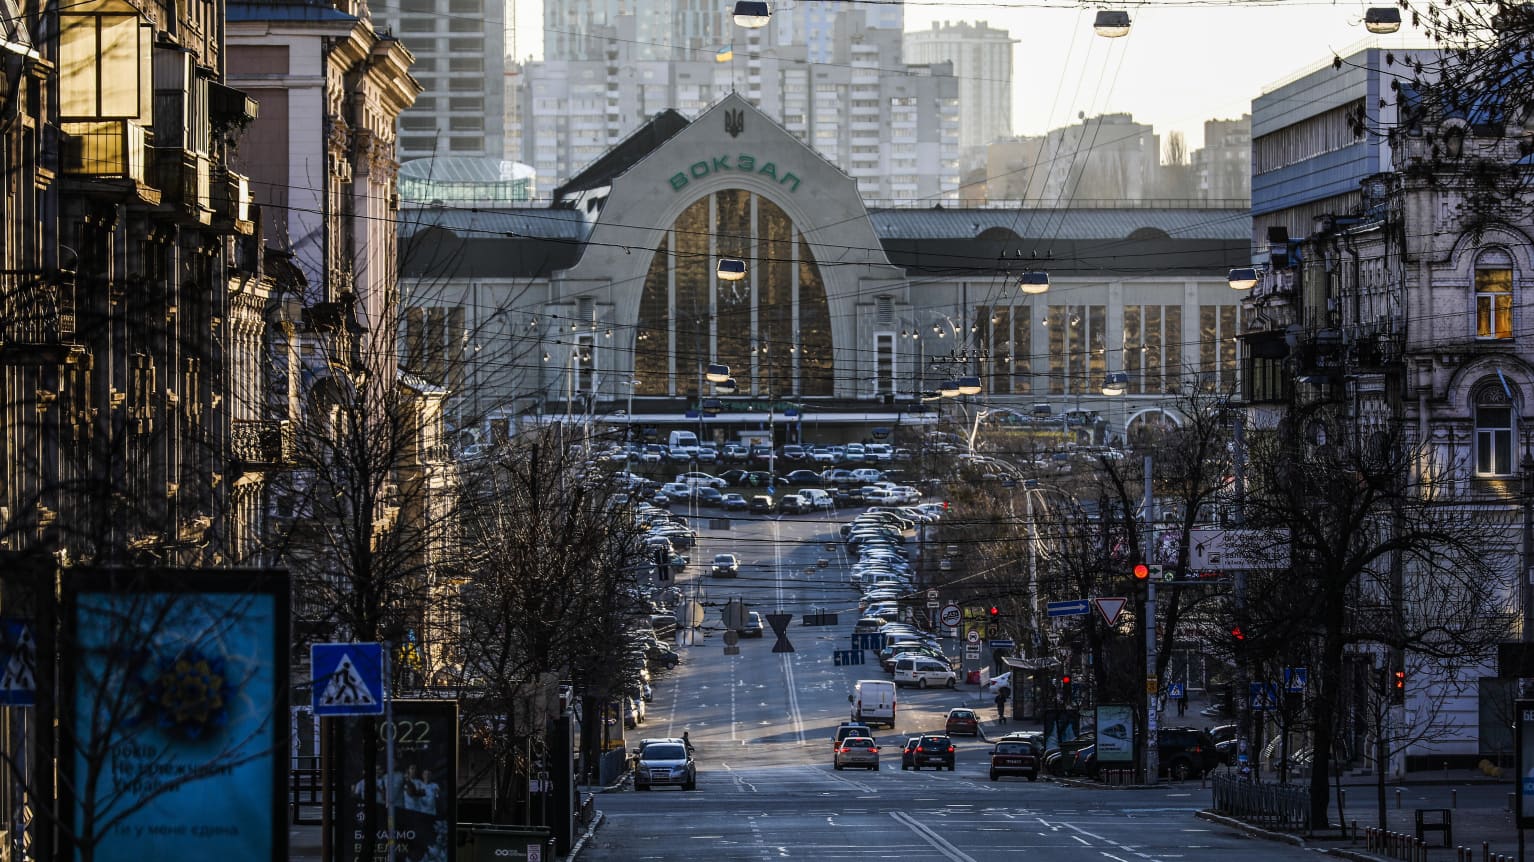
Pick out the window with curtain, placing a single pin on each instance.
(1494, 297)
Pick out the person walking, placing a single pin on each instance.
(1182, 701)
(687, 742)
(1001, 703)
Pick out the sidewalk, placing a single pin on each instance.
(1480, 806)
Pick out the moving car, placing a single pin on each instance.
(1014, 757)
(725, 566)
(753, 627)
(665, 763)
(850, 728)
(962, 721)
(856, 751)
(873, 701)
(734, 502)
(931, 750)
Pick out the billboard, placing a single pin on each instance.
(423, 785)
(173, 720)
(1525, 753)
(1115, 733)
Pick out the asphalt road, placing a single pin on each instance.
(762, 724)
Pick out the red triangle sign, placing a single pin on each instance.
(1110, 608)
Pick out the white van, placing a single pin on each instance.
(873, 702)
(687, 441)
(922, 672)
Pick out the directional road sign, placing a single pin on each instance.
(844, 657)
(1110, 607)
(950, 616)
(1071, 608)
(1296, 678)
(779, 624)
(18, 663)
(1002, 643)
(348, 678)
(868, 640)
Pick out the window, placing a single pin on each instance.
(1493, 433)
(1493, 300)
(104, 62)
(884, 362)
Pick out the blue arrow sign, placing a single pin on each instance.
(1002, 644)
(868, 640)
(1072, 608)
(1296, 678)
(843, 657)
(348, 679)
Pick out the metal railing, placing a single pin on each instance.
(1281, 805)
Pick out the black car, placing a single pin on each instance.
(761, 504)
(931, 750)
(1186, 752)
(802, 477)
(709, 497)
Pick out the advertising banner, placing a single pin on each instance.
(174, 718)
(424, 783)
(1115, 733)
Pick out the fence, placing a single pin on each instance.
(1282, 805)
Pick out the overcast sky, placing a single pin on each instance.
(1183, 62)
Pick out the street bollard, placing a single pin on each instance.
(1354, 839)
(1342, 802)
(1510, 802)
(1485, 850)
(1454, 798)
(1398, 799)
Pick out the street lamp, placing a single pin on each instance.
(730, 269)
(1242, 278)
(1111, 23)
(1034, 282)
(1115, 382)
(1382, 20)
(752, 14)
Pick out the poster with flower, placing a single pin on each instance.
(174, 721)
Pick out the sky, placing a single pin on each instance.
(1183, 62)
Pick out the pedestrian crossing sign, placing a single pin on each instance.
(18, 663)
(348, 678)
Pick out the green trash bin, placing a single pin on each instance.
(487, 842)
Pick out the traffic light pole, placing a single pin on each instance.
(1151, 758)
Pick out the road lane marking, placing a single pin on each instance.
(937, 841)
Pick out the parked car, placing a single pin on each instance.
(725, 566)
(760, 504)
(962, 721)
(1014, 757)
(931, 750)
(709, 497)
(856, 751)
(923, 672)
(733, 502)
(665, 763)
(1186, 752)
(793, 504)
(802, 477)
(1225, 742)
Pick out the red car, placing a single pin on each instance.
(962, 721)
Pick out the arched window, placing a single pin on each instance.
(1494, 295)
(1493, 433)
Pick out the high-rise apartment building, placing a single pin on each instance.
(893, 128)
(811, 24)
(459, 48)
(1103, 159)
(1222, 170)
(664, 29)
(982, 61)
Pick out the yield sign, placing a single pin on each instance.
(1110, 608)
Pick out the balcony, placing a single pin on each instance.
(111, 150)
(186, 178)
(231, 201)
(261, 443)
(43, 315)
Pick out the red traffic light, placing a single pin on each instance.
(1066, 679)
(1400, 680)
(1141, 571)
(1237, 633)
(995, 611)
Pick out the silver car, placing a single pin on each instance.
(857, 751)
(665, 762)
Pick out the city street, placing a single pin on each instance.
(762, 724)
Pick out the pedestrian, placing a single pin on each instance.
(687, 742)
(1182, 701)
(1001, 704)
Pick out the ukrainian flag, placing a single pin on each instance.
(725, 54)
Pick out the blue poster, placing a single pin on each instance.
(176, 723)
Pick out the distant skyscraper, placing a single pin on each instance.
(892, 127)
(982, 61)
(812, 24)
(1223, 168)
(663, 29)
(459, 48)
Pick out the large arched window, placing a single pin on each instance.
(772, 328)
(1493, 432)
(1494, 295)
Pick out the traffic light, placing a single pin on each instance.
(1141, 571)
(1065, 689)
(995, 612)
(1398, 688)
